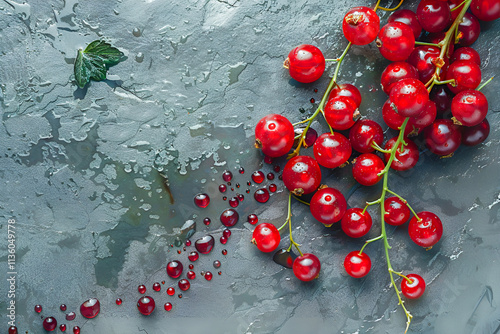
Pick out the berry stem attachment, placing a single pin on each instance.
(429, 44)
(378, 148)
(388, 9)
(289, 222)
(484, 84)
(301, 201)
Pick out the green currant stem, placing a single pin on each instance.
(487, 82)
(378, 148)
(425, 43)
(388, 9)
(457, 7)
(324, 99)
(402, 276)
(301, 201)
(332, 59)
(289, 222)
(368, 241)
(405, 202)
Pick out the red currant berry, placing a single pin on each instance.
(442, 137)
(466, 53)
(266, 237)
(341, 113)
(355, 223)
(146, 305)
(174, 269)
(391, 118)
(357, 265)
(396, 41)
(485, 10)
(468, 30)
(395, 72)
(469, 107)
(302, 175)
(361, 25)
(406, 156)
(306, 267)
(364, 134)
(305, 63)
(366, 169)
(475, 135)
(332, 150)
(409, 96)
(415, 289)
(442, 98)
(346, 90)
(274, 134)
(407, 17)
(427, 231)
(466, 73)
(424, 58)
(328, 206)
(426, 117)
(433, 15)
(396, 211)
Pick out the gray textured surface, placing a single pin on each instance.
(80, 171)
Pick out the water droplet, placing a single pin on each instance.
(118, 301)
(38, 308)
(90, 308)
(70, 316)
(170, 291)
(168, 307)
(142, 289)
(261, 195)
(205, 244)
(202, 200)
(217, 264)
(229, 217)
(156, 287)
(137, 32)
(139, 57)
(146, 305)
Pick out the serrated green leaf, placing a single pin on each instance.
(93, 62)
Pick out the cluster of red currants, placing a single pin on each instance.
(433, 70)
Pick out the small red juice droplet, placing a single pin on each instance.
(179, 295)
(38, 308)
(270, 176)
(223, 240)
(62, 307)
(156, 287)
(188, 243)
(49, 324)
(224, 198)
(142, 289)
(224, 252)
(237, 185)
(312, 100)
(62, 327)
(261, 195)
(76, 330)
(252, 219)
(247, 191)
(226, 232)
(208, 276)
(174, 269)
(273, 188)
(12, 330)
(191, 275)
(268, 160)
(241, 170)
(206, 221)
(222, 188)
(277, 168)
(118, 301)
(179, 251)
(217, 264)
(70, 316)
(220, 273)
(227, 176)
(146, 305)
(229, 217)
(170, 291)
(258, 177)
(184, 284)
(191, 266)
(249, 183)
(234, 202)
(90, 308)
(168, 307)
(193, 256)
(240, 197)
(202, 200)
(205, 244)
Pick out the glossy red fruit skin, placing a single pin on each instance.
(49, 324)
(305, 63)
(347, 90)
(406, 157)
(433, 15)
(301, 175)
(475, 135)
(442, 137)
(340, 113)
(469, 107)
(361, 25)
(396, 41)
(328, 206)
(426, 118)
(410, 97)
(357, 265)
(485, 10)
(355, 223)
(306, 267)
(274, 134)
(392, 119)
(266, 237)
(397, 212)
(174, 269)
(364, 133)
(466, 53)
(415, 289)
(466, 73)
(395, 72)
(366, 169)
(423, 57)
(442, 98)
(428, 231)
(470, 29)
(332, 150)
(90, 308)
(146, 305)
(407, 17)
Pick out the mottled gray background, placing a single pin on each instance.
(81, 172)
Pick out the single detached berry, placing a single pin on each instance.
(356, 223)
(366, 169)
(364, 134)
(174, 269)
(302, 175)
(306, 267)
(202, 200)
(205, 244)
(414, 289)
(146, 305)
(361, 25)
(90, 308)
(266, 237)
(357, 264)
(49, 324)
(274, 134)
(332, 150)
(305, 63)
(427, 231)
(396, 211)
(328, 206)
(229, 217)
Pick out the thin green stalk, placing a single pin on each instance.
(484, 84)
(406, 202)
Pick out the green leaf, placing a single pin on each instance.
(93, 62)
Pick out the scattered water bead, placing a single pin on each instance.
(241, 170)
(208, 276)
(226, 232)
(13, 329)
(184, 284)
(240, 197)
(202, 200)
(223, 240)
(205, 244)
(276, 168)
(49, 324)
(234, 202)
(237, 185)
(118, 301)
(217, 264)
(156, 286)
(63, 307)
(224, 198)
(191, 266)
(252, 219)
(177, 242)
(90, 308)
(62, 328)
(270, 176)
(179, 251)
(76, 330)
(136, 32)
(70, 316)
(261, 195)
(191, 275)
(142, 289)
(273, 188)
(207, 221)
(193, 256)
(227, 176)
(167, 307)
(229, 217)
(146, 305)
(170, 291)
(268, 160)
(188, 243)
(174, 269)
(249, 183)
(247, 191)
(224, 252)
(258, 177)
(222, 188)
(38, 308)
